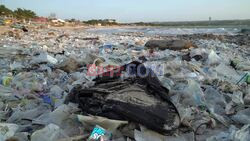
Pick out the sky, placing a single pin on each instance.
(137, 10)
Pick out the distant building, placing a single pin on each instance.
(58, 22)
(40, 20)
(210, 19)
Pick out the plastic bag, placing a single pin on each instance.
(213, 58)
(233, 134)
(44, 58)
(50, 133)
(7, 130)
(242, 116)
(194, 93)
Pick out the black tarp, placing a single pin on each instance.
(140, 98)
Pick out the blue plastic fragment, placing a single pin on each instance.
(46, 99)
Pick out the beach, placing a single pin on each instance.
(53, 83)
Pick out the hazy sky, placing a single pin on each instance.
(138, 10)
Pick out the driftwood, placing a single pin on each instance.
(172, 44)
(137, 99)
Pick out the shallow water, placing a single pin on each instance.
(168, 30)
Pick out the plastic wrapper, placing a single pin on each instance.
(99, 134)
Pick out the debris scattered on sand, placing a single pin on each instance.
(60, 84)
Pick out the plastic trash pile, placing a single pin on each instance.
(51, 89)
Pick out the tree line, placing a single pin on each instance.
(19, 13)
(100, 21)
